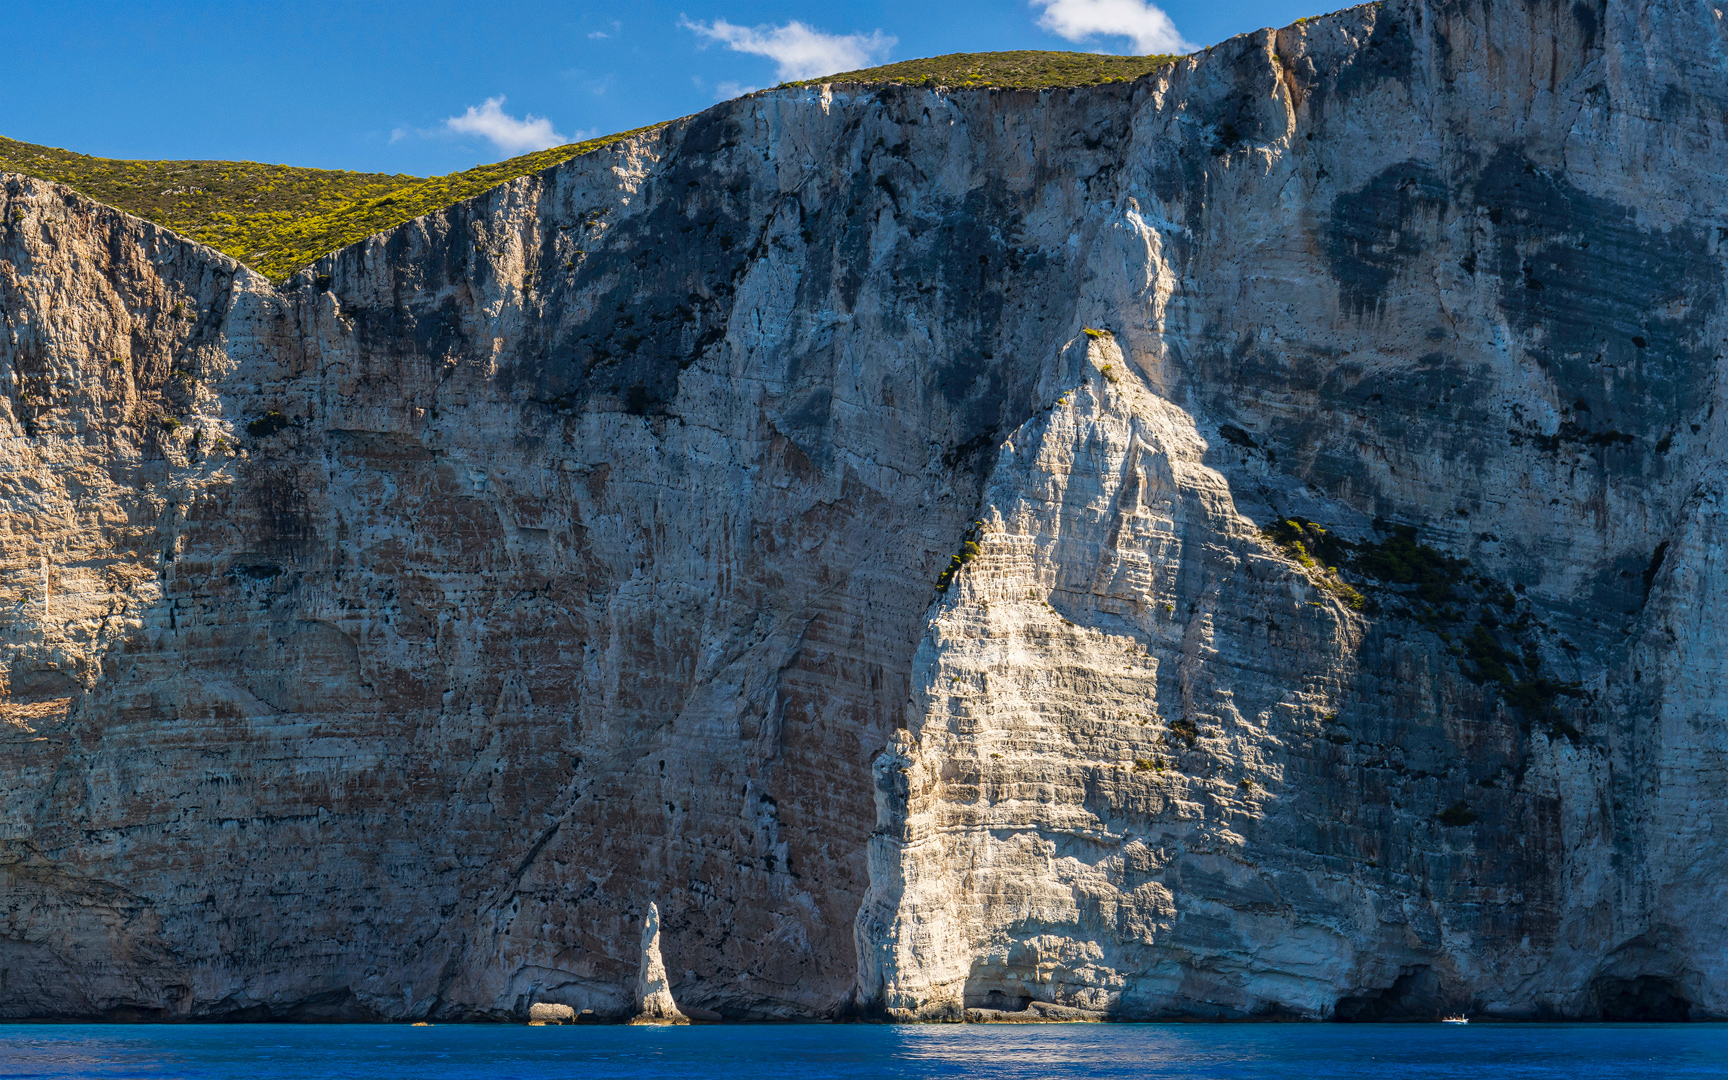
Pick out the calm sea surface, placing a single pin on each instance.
(451, 1051)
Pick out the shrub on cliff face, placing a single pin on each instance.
(1456, 815)
(1308, 543)
(1401, 560)
(1490, 658)
(1499, 651)
(1184, 731)
(1320, 551)
(268, 424)
(969, 550)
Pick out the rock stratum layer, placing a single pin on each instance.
(382, 645)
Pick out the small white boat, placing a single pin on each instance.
(1454, 1019)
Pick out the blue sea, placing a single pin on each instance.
(796, 1052)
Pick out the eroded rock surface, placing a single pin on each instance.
(384, 645)
(654, 1003)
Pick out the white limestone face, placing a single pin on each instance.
(654, 1004)
(1040, 814)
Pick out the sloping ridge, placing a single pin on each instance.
(278, 219)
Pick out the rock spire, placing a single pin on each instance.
(654, 1004)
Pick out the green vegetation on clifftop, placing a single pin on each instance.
(1024, 69)
(277, 218)
(274, 218)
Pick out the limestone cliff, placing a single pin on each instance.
(383, 645)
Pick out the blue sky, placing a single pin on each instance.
(415, 87)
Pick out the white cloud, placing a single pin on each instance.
(800, 51)
(509, 134)
(725, 91)
(599, 35)
(1150, 30)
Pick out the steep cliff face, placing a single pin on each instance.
(384, 644)
(1443, 267)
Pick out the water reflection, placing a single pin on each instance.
(798, 1052)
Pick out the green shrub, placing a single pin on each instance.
(267, 425)
(1489, 658)
(969, 550)
(1344, 591)
(1441, 592)
(1319, 550)
(1456, 815)
(1401, 560)
(1308, 543)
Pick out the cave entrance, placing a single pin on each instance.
(1416, 994)
(998, 999)
(1651, 998)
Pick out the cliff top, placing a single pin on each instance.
(274, 218)
(1024, 69)
(277, 219)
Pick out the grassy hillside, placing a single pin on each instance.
(1025, 69)
(278, 218)
(273, 218)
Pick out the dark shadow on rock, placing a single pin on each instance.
(1646, 997)
(1417, 994)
